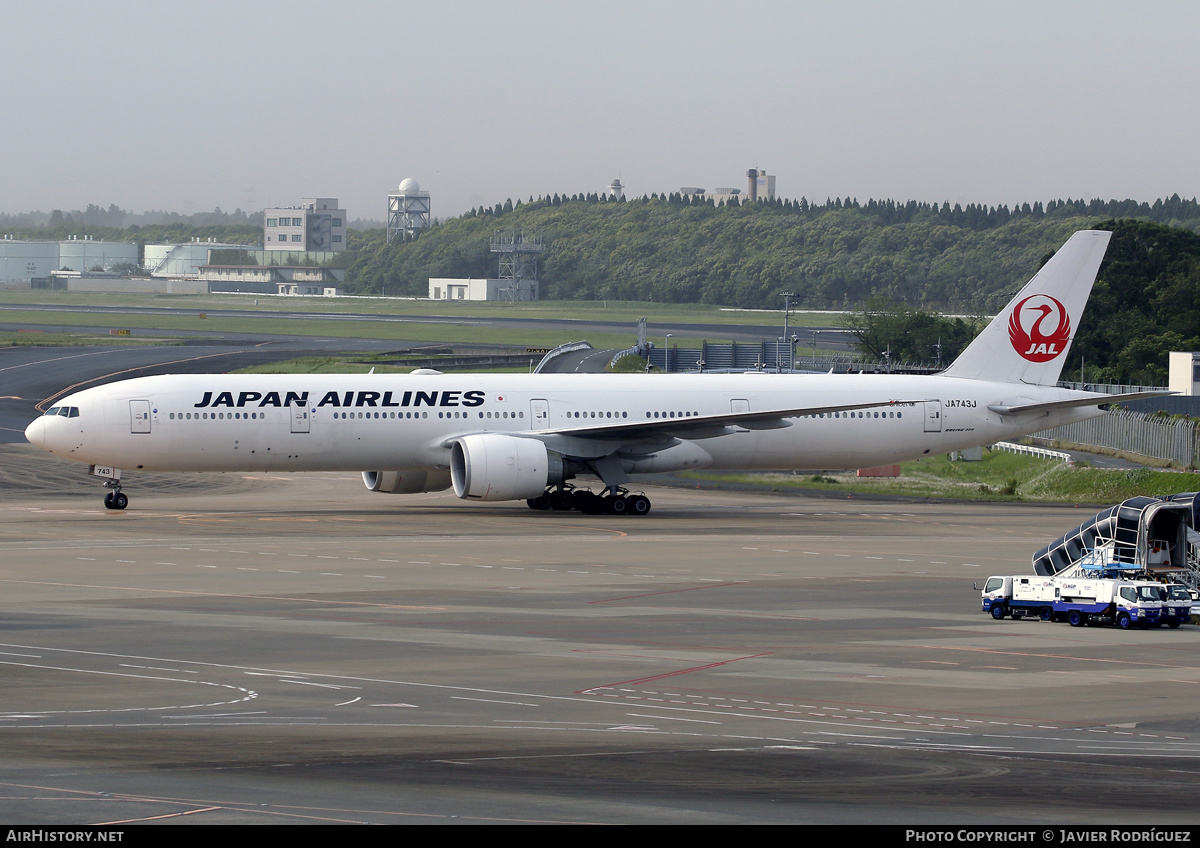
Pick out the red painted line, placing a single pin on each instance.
(671, 592)
(641, 680)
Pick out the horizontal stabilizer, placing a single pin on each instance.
(1102, 401)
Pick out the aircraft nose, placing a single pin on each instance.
(35, 433)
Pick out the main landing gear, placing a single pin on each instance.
(115, 498)
(621, 502)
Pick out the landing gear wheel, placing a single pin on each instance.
(638, 504)
(116, 500)
(617, 505)
(541, 502)
(588, 503)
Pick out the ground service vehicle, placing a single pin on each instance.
(1080, 600)
(1020, 596)
(1178, 607)
(1124, 603)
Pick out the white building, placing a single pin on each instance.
(449, 288)
(1183, 372)
(317, 224)
(273, 279)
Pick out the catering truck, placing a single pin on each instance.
(1125, 603)
(1079, 600)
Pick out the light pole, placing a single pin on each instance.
(787, 296)
(667, 353)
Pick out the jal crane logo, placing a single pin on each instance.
(1039, 328)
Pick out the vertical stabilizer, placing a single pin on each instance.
(1028, 341)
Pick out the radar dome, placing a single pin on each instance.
(409, 186)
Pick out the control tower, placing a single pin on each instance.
(408, 210)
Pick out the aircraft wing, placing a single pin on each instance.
(705, 426)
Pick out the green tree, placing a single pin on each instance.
(887, 330)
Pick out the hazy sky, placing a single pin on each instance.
(185, 107)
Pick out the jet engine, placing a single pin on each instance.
(406, 482)
(495, 467)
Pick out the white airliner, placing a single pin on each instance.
(523, 437)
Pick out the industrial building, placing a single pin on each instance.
(317, 224)
(759, 186)
(25, 260)
(185, 259)
(273, 279)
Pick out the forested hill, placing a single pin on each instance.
(834, 255)
(1145, 303)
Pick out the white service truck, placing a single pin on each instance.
(1079, 600)
(1020, 596)
(1125, 603)
(1178, 607)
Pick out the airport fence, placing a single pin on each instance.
(1158, 436)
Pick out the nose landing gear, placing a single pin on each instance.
(115, 499)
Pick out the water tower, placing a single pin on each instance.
(408, 210)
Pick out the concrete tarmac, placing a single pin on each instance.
(293, 648)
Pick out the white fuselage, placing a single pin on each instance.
(376, 421)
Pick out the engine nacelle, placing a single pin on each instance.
(494, 467)
(406, 482)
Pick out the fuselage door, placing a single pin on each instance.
(539, 414)
(139, 416)
(737, 405)
(300, 419)
(933, 416)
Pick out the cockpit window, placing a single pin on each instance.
(52, 410)
(74, 413)
(64, 411)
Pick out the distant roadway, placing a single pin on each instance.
(573, 329)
